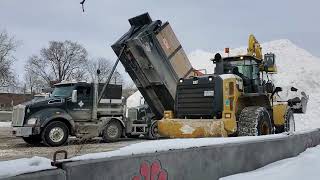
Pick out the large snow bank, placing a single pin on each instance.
(24, 165)
(170, 144)
(304, 166)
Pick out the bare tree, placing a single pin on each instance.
(60, 61)
(105, 67)
(34, 83)
(7, 46)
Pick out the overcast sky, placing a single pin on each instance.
(209, 25)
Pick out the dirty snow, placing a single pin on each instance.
(304, 166)
(24, 165)
(170, 144)
(5, 124)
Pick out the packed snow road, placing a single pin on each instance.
(13, 148)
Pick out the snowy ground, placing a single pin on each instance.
(304, 166)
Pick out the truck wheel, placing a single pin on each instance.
(112, 132)
(153, 131)
(55, 133)
(254, 121)
(33, 140)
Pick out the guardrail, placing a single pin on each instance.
(210, 162)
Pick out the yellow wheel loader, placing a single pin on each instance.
(238, 99)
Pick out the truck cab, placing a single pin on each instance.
(69, 111)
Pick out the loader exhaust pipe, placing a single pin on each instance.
(219, 69)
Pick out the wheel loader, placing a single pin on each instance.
(239, 99)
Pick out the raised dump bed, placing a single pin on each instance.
(154, 59)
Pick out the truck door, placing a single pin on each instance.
(82, 109)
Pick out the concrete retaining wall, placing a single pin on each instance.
(211, 162)
(5, 116)
(57, 174)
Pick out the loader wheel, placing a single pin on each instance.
(33, 140)
(55, 133)
(112, 132)
(254, 121)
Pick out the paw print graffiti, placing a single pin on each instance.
(151, 172)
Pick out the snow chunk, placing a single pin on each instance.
(187, 129)
(304, 166)
(24, 165)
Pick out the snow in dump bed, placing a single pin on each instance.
(24, 165)
(170, 144)
(304, 166)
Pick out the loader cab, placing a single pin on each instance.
(246, 67)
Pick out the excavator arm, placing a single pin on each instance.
(254, 48)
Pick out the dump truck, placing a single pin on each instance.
(239, 99)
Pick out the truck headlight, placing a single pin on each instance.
(32, 121)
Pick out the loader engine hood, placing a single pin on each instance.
(199, 98)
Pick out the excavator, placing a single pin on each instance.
(238, 99)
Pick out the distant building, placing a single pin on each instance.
(8, 100)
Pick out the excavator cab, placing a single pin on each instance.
(270, 64)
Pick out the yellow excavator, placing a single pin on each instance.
(239, 99)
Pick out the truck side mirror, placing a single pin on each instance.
(74, 96)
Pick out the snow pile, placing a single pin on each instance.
(24, 165)
(134, 100)
(170, 144)
(296, 67)
(306, 165)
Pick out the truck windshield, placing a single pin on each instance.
(63, 91)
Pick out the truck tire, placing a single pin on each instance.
(289, 124)
(33, 140)
(112, 132)
(153, 131)
(254, 121)
(56, 133)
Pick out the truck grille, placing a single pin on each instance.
(18, 115)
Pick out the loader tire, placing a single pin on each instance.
(254, 121)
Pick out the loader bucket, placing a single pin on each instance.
(191, 128)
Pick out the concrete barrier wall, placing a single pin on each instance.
(5, 116)
(56, 174)
(211, 162)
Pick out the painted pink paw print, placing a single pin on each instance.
(153, 172)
